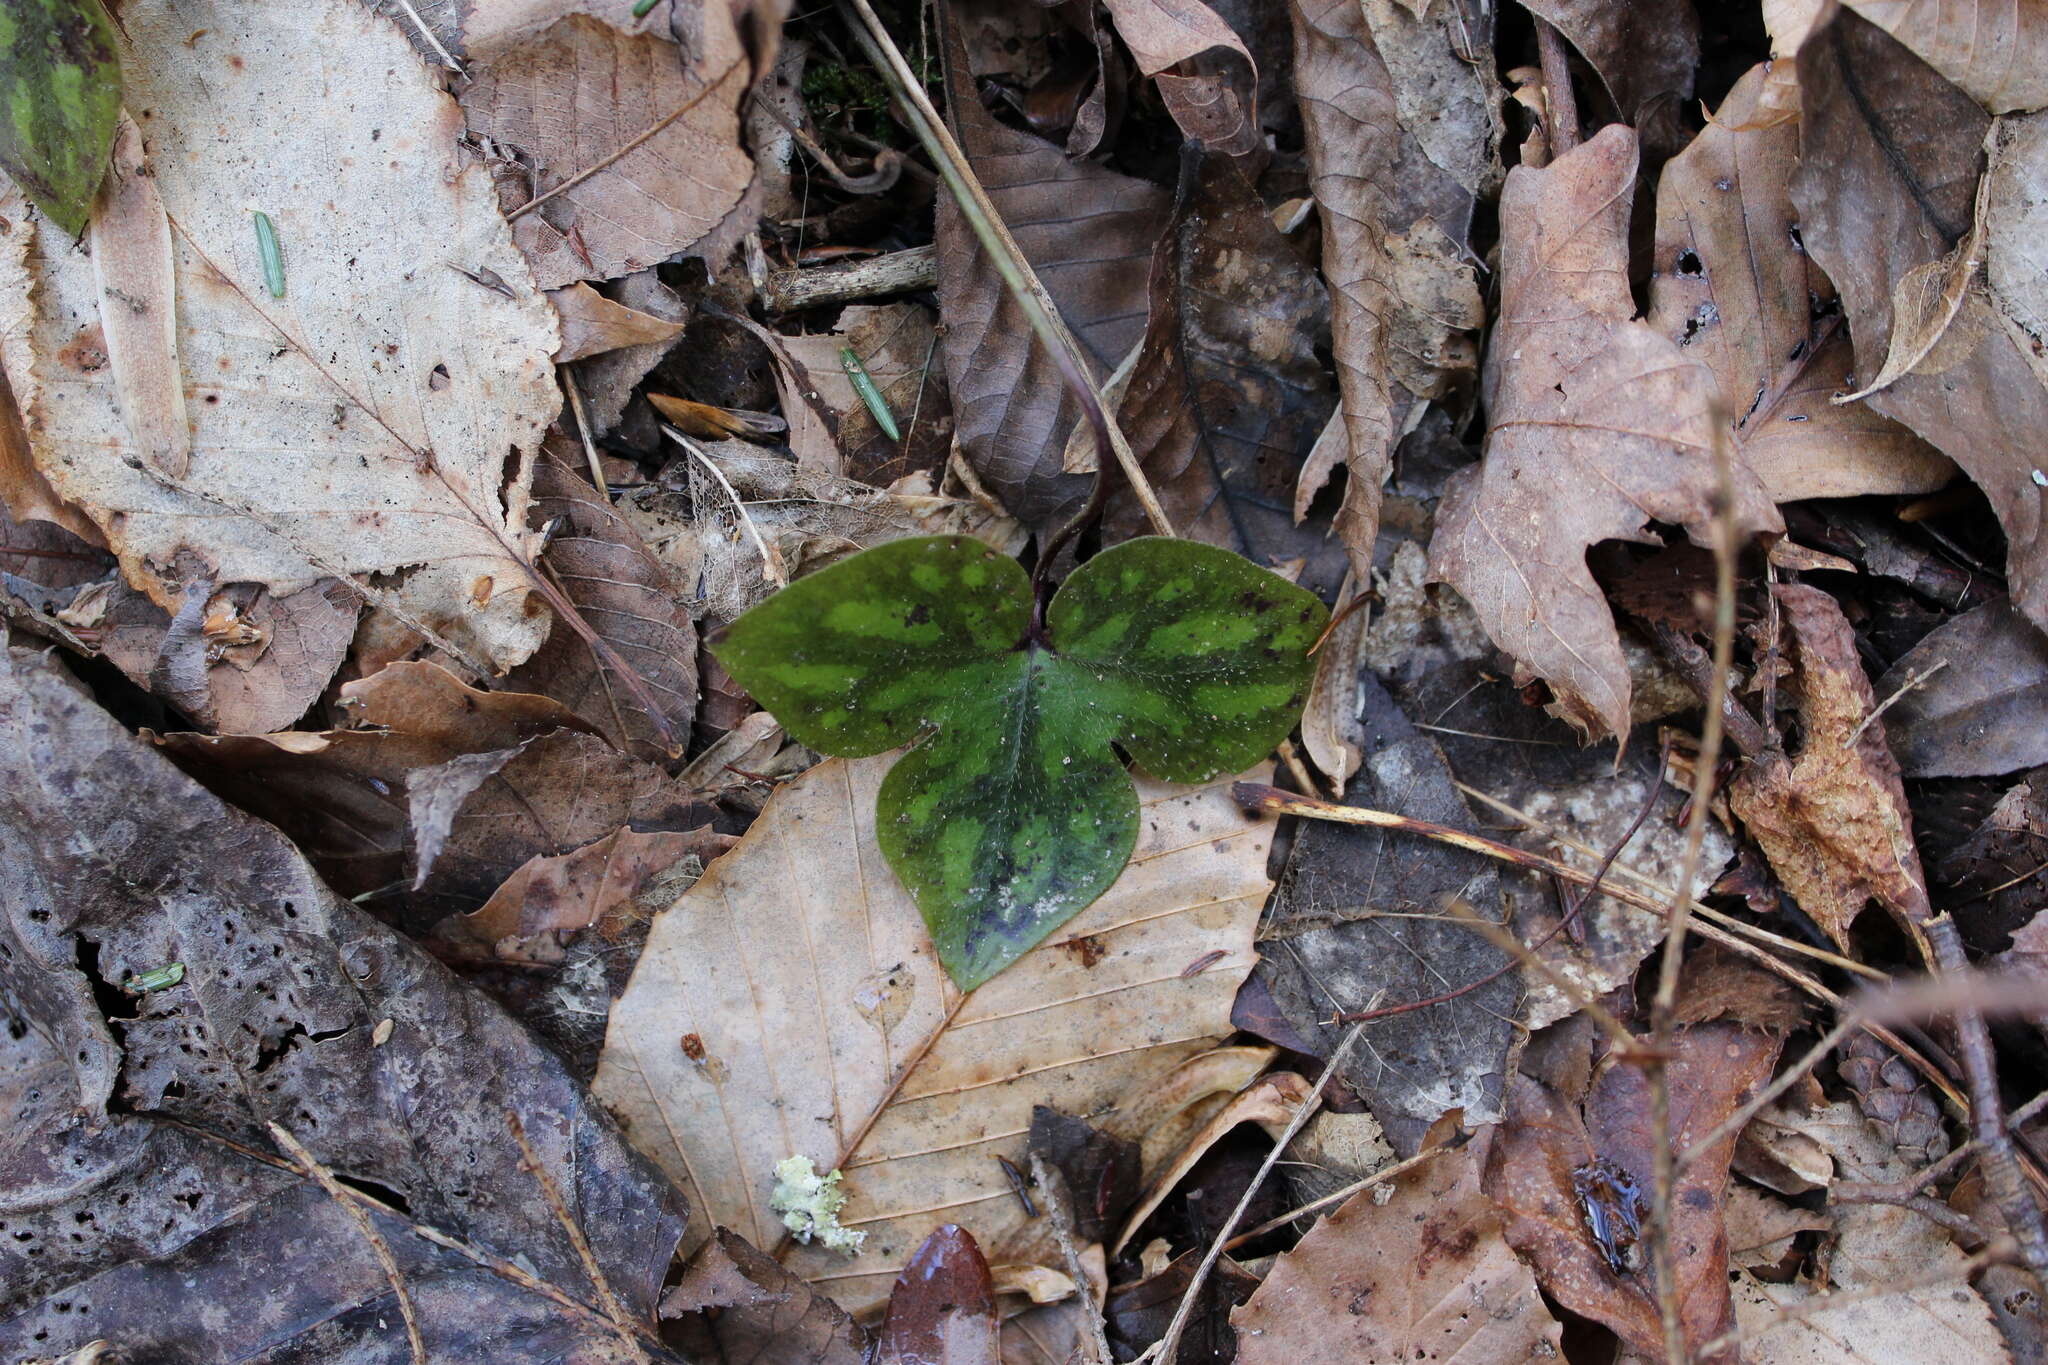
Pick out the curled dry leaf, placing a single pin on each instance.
(571, 97)
(1738, 294)
(1980, 714)
(634, 603)
(1402, 135)
(1889, 153)
(1227, 394)
(1088, 232)
(815, 1020)
(294, 1008)
(1364, 919)
(1532, 1171)
(384, 391)
(1598, 425)
(1424, 1275)
(1994, 50)
(1205, 74)
(1833, 819)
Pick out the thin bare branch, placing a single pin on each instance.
(382, 1249)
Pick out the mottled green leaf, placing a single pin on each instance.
(1013, 810)
(60, 84)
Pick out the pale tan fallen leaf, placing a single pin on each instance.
(1737, 293)
(1931, 332)
(1875, 1245)
(2015, 222)
(1598, 425)
(132, 264)
(1833, 819)
(578, 93)
(375, 417)
(1761, 1227)
(791, 1003)
(1996, 50)
(1424, 1275)
(592, 324)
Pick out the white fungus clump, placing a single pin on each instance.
(809, 1204)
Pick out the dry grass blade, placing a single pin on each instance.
(325, 1179)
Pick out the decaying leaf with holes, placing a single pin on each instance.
(791, 1003)
(377, 417)
(1011, 812)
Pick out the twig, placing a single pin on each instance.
(1987, 1109)
(634, 144)
(1664, 1006)
(1933, 1210)
(1558, 100)
(1912, 681)
(1749, 737)
(898, 272)
(1524, 954)
(583, 429)
(325, 1179)
(1290, 759)
(622, 1321)
(1007, 258)
(888, 162)
(1379, 1177)
(1059, 1208)
(771, 563)
(1165, 1348)
(1735, 1122)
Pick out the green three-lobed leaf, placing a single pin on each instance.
(60, 81)
(1013, 812)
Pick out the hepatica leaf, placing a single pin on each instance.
(1012, 811)
(60, 93)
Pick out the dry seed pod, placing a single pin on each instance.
(1892, 1096)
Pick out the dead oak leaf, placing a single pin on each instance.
(1599, 426)
(1531, 1175)
(1833, 820)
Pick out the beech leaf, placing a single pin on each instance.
(1012, 813)
(60, 78)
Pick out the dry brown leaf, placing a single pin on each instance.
(1931, 332)
(1976, 709)
(1226, 392)
(1761, 1227)
(1598, 425)
(1270, 1102)
(24, 491)
(592, 324)
(1424, 1275)
(1736, 292)
(255, 663)
(549, 899)
(737, 1304)
(1332, 728)
(607, 381)
(1088, 232)
(132, 265)
(312, 415)
(1996, 50)
(634, 603)
(812, 435)
(943, 1308)
(427, 701)
(791, 1004)
(568, 98)
(1714, 1068)
(1889, 153)
(1213, 95)
(1401, 136)
(1833, 819)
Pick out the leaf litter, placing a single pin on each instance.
(425, 424)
